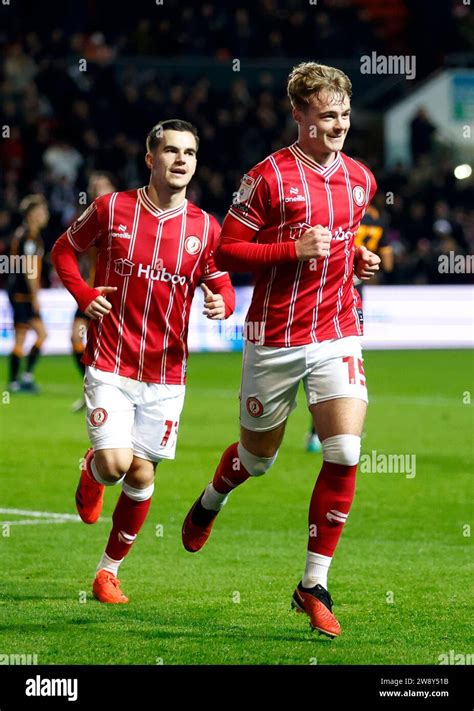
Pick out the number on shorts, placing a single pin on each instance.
(350, 360)
(169, 424)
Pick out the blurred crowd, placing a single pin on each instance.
(64, 123)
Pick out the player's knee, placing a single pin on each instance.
(112, 466)
(342, 449)
(256, 466)
(141, 474)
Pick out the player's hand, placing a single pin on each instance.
(100, 307)
(214, 305)
(313, 243)
(366, 263)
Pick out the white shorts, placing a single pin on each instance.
(271, 376)
(127, 413)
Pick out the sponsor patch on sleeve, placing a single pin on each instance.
(245, 189)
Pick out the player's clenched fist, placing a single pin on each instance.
(214, 306)
(100, 307)
(366, 263)
(313, 243)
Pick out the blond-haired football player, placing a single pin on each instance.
(294, 225)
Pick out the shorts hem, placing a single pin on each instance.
(151, 457)
(267, 429)
(99, 447)
(338, 397)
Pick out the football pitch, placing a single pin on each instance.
(400, 579)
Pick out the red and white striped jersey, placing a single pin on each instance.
(155, 258)
(296, 302)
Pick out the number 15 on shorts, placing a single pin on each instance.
(355, 377)
(170, 427)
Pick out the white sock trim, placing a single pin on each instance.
(316, 570)
(109, 564)
(138, 494)
(100, 480)
(213, 500)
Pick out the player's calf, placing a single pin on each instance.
(129, 516)
(230, 473)
(236, 466)
(328, 511)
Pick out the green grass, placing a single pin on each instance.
(404, 536)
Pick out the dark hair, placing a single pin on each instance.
(156, 134)
(103, 174)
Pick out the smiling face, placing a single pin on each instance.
(324, 122)
(173, 161)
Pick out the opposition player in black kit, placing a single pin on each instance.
(26, 257)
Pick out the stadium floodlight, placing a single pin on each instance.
(462, 171)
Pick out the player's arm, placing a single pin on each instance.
(366, 263)
(77, 239)
(238, 250)
(219, 294)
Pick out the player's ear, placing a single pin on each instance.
(296, 114)
(149, 161)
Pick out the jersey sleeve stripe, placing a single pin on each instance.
(243, 220)
(214, 275)
(76, 247)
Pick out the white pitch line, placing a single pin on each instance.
(41, 514)
(37, 517)
(33, 521)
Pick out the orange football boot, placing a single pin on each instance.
(317, 604)
(89, 493)
(106, 588)
(197, 526)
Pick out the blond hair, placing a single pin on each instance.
(308, 79)
(30, 202)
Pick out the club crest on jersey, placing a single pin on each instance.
(358, 194)
(98, 417)
(254, 407)
(123, 267)
(246, 187)
(192, 244)
(297, 230)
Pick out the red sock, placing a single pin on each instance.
(128, 518)
(230, 471)
(329, 507)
